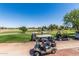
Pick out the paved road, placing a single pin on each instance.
(22, 49)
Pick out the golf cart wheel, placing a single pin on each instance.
(36, 53)
(53, 51)
(32, 52)
(53, 44)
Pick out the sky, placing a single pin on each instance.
(34, 14)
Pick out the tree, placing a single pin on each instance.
(72, 19)
(51, 27)
(23, 29)
(39, 29)
(61, 27)
(44, 28)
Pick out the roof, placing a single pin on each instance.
(44, 35)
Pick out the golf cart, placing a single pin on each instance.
(33, 36)
(58, 36)
(65, 37)
(61, 37)
(44, 44)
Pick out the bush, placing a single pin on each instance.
(23, 29)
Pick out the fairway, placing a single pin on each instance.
(15, 38)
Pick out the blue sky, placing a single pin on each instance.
(33, 14)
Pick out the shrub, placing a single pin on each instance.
(23, 29)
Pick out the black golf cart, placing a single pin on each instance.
(44, 44)
(33, 36)
(61, 37)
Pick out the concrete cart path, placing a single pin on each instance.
(22, 49)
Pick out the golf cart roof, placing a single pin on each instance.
(44, 35)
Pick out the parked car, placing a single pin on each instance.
(77, 35)
(46, 45)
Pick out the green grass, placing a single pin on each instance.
(15, 38)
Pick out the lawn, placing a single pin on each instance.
(15, 38)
